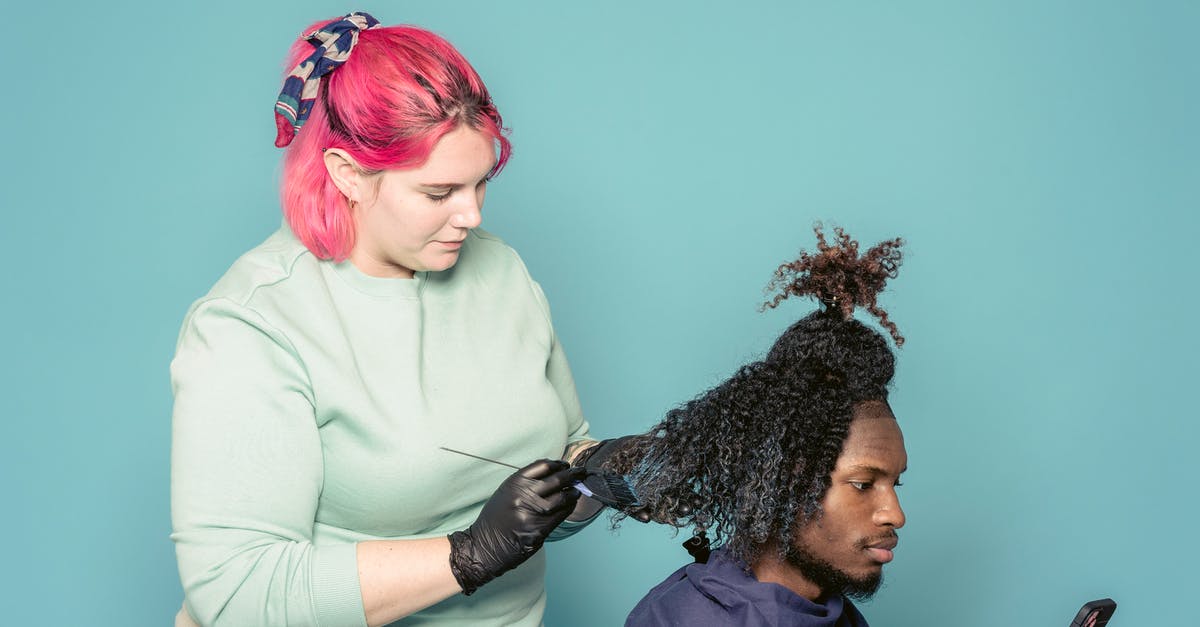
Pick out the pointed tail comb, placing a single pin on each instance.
(609, 488)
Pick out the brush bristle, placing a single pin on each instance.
(611, 489)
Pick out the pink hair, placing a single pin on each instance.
(400, 91)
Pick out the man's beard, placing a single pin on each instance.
(829, 579)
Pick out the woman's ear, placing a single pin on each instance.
(345, 173)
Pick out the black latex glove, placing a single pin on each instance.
(514, 522)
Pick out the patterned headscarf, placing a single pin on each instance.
(333, 43)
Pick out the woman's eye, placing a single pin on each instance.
(438, 197)
(898, 484)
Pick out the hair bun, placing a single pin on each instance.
(838, 277)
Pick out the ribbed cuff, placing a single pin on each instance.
(337, 598)
(568, 528)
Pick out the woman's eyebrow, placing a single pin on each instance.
(457, 185)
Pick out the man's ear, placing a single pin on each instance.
(345, 173)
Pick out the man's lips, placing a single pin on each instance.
(883, 550)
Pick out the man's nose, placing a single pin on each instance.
(890, 513)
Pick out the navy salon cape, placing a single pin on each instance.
(723, 592)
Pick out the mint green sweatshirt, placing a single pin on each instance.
(310, 404)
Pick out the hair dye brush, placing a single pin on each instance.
(607, 487)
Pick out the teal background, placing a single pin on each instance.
(1041, 159)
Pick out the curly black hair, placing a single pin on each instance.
(751, 457)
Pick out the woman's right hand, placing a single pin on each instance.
(514, 522)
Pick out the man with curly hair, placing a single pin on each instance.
(792, 463)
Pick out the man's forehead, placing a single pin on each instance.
(874, 443)
(873, 409)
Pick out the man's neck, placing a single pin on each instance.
(770, 567)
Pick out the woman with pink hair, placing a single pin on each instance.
(320, 382)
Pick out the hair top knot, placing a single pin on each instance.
(837, 276)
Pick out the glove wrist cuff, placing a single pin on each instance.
(469, 573)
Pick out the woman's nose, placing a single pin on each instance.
(468, 215)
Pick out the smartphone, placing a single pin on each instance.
(1095, 613)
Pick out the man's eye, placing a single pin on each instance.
(861, 486)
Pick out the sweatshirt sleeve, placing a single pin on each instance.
(558, 372)
(246, 473)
